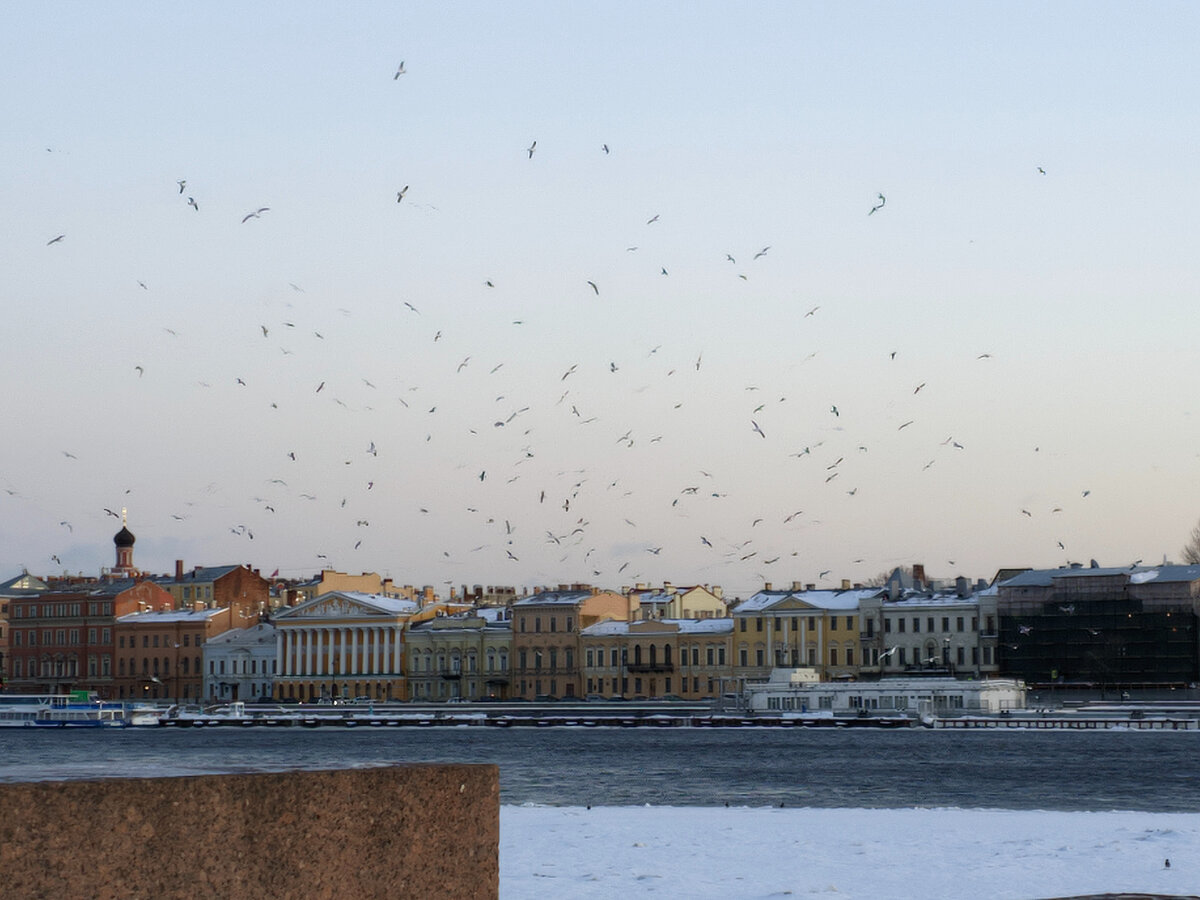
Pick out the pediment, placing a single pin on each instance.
(332, 606)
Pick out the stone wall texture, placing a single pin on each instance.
(400, 831)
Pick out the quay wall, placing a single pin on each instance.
(397, 831)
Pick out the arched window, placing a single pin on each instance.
(637, 654)
(667, 654)
(653, 655)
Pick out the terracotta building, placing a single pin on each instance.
(235, 587)
(159, 652)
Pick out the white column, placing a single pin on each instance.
(278, 649)
(310, 639)
(342, 646)
(354, 665)
(377, 633)
(397, 643)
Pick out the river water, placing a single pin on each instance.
(568, 766)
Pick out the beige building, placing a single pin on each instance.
(546, 628)
(367, 583)
(657, 658)
(460, 656)
(677, 602)
(342, 644)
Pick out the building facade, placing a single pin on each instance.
(656, 658)
(342, 644)
(239, 664)
(159, 653)
(546, 629)
(463, 656)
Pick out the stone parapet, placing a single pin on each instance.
(397, 831)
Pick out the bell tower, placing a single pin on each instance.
(123, 540)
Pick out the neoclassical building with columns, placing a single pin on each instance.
(342, 644)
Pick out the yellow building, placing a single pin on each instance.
(342, 644)
(366, 583)
(792, 628)
(657, 658)
(463, 656)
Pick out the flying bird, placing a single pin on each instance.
(400, 194)
(762, 252)
(531, 148)
(182, 182)
(193, 204)
(255, 214)
(652, 219)
(757, 429)
(594, 288)
(878, 206)
(55, 240)
(399, 71)
(604, 148)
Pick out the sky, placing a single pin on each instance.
(784, 292)
(852, 854)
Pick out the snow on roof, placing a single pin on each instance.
(824, 599)
(170, 616)
(681, 626)
(926, 600)
(396, 605)
(561, 598)
(263, 632)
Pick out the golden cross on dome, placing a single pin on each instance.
(123, 518)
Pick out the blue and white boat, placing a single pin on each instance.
(78, 710)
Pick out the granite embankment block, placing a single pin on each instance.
(397, 831)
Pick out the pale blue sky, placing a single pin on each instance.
(741, 126)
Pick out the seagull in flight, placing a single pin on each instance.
(756, 428)
(594, 288)
(399, 71)
(762, 252)
(55, 240)
(254, 215)
(400, 194)
(531, 148)
(878, 206)
(182, 182)
(193, 204)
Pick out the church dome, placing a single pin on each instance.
(124, 537)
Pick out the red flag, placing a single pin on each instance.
(275, 574)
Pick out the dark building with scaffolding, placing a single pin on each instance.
(1104, 627)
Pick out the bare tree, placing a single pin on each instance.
(1191, 550)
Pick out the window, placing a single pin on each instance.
(106, 666)
(696, 657)
(742, 624)
(903, 661)
(522, 624)
(758, 624)
(987, 656)
(145, 640)
(106, 636)
(16, 637)
(537, 624)
(590, 659)
(958, 624)
(961, 655)
(187, 639)
(121, 666)
(991, 625)
(833, 623)
(778, 624)
(870, 628)
(758, 657)
(974, 656)
(720, 658)
(709, 656)
(946, 623)
(570, 622)
(833, 656)
(929, 622)
(667, 658)
(849, 623)
(554, 623)
(887, 626)
(917, 625)
(553, 658)
(849, 656)
(184, 666)
(743, 657)
(900, 625)
(616, 659)
(570, 655)
(121, 642)
(156, 640)
(812, 624)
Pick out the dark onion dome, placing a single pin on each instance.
(124, 537)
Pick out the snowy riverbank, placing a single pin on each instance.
(705, 852)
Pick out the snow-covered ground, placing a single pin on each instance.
(696, 852)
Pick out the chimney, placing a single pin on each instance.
(766, 585)
(962, 586)
(810, 587)
(179, 570)
(845, 584)
(918, 575)
(718, 592)
(797, 586)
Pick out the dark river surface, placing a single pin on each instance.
(568, 766)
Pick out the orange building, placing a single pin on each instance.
(159, 652)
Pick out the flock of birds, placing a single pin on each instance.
(559, 505)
